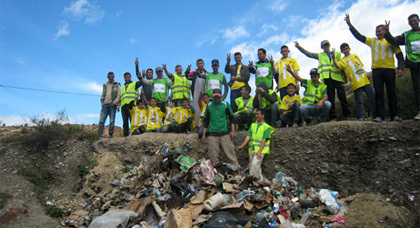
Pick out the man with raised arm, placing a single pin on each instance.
(411, 40)
(330, 75)
(263, 69)
(239, 77)
(383, 69)
(282, 77)
(129, 94)
(180, 84)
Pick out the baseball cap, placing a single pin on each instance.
(324, 42)
(314, 71)
(217, 92)
(215, 62)
(158, 69)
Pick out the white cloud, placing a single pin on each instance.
(89, 12)
(267, 28)
(63, 29)
(21, 61)
(235, 33)
(90, 86)
(132, 41)
(278, 5)
(276, 40)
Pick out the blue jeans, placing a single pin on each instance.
(308, 111)
(291, 116)
(235, 93)
(107, 109)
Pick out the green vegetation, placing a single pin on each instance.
(83, 170)
(54, 211)
(46, 131)
(10, 138)
(3, 198)
(94, 163)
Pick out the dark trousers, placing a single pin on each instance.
(182, 128)
(415, 78)
(125, 113)
(332, 86)
(385, 76)
(235, 93)
(358, 96)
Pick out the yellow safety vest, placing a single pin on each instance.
(181, 87)
(257, 138)
(242, 107)
(154, 118)
(326, 67)
(129, 93)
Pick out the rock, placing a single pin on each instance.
(12, 213)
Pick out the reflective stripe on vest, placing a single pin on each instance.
(181, 87)
(313, 93)
(257, 138)
(242, 107)
(326, 67)
(129, 94)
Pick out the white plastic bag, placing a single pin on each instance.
(327, 199)
(112, 219)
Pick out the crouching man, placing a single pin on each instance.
(258, 140)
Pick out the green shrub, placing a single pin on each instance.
(10, 138)
(54, 211)
(83, 170)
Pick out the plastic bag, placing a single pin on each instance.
(112, 219)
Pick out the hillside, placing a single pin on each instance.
(376, 163)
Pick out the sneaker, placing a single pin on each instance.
(295, 125)
(417, 117)
(378, 119)
(361, 119)
(396, 118)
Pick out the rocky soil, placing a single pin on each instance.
(378, 161)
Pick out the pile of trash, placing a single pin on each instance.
(171, 189)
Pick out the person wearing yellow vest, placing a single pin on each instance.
(202, 101)
(154, 117)
(331, 76)
(411, 40)
(215, 80)
(315, 102)
(289, 107)
(263, 69)
(282, 77)
(170, 122)
(129, 94)
(138, 118)
(180, 84)
(353, 67)
(258, 140)
(383, 69)
(239, 77)
(185, 117)
(268, 100)
(243, 116)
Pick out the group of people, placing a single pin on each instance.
(184, 101)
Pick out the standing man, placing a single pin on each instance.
(383, 69)
(282, 77)
(129, 94)
(258, 140)
(110, 100)
(198, 78)
(263, 69)
(180, 84)
(160, 88)
(411, 40)
(268, 100)
(316, 100)
(215, 80)
(238, 79)
(331, 76)
(216, 118)
(147, 81)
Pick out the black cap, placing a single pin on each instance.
(215, 62)
(314, 71)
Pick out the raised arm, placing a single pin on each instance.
(226, 87)
(289, 69)
(227, 67)
(353, 30)
(169, 74)
(305, 52)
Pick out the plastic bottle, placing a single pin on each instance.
(215, 201)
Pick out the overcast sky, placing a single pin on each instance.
(70, 45)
